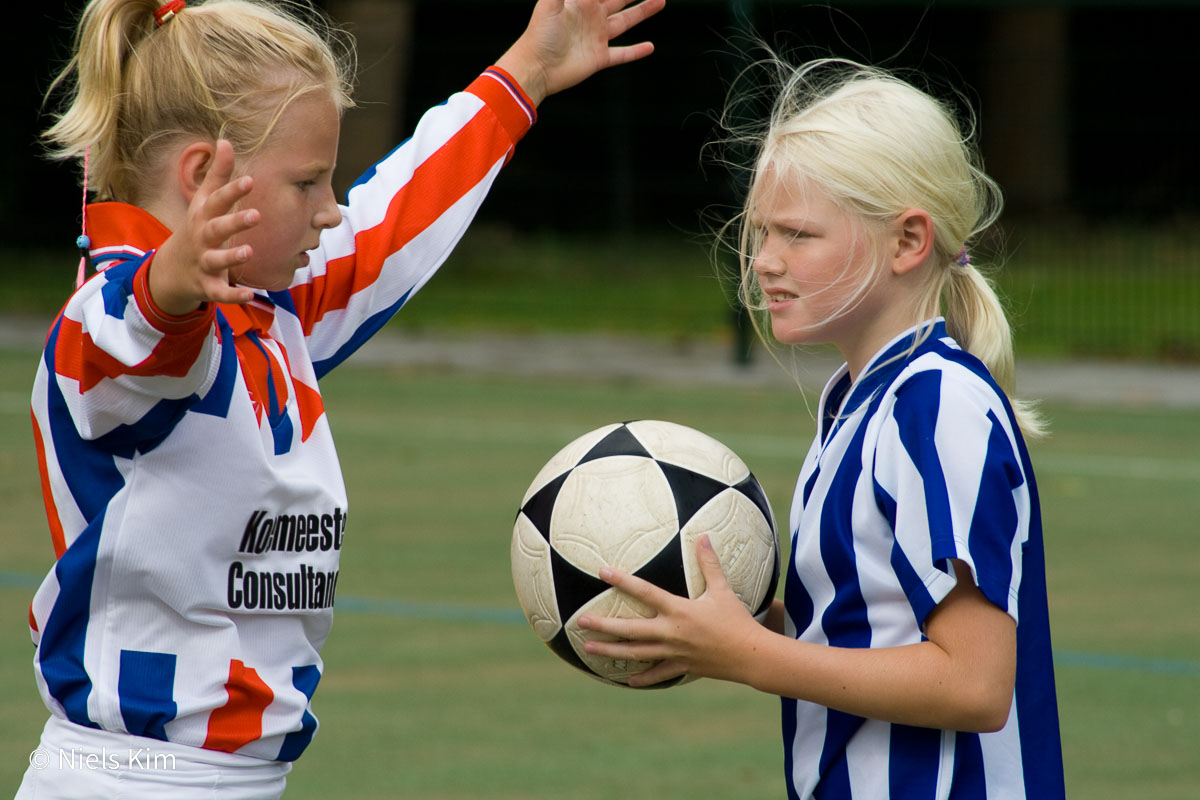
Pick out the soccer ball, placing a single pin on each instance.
(635, 496)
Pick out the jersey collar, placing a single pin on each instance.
(120, 231)
(841, 399)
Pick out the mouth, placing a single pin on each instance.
(777, 296)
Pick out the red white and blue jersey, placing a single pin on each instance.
(195, 500)
(918, 462)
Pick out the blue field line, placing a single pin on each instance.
(1113, 662)
(429, 611)
(353, 604)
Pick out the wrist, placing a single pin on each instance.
(526, 71)
(163, 300)
(172, 321)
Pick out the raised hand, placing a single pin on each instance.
(192, 265)
(710, 636)
(568, 40)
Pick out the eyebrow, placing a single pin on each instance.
(316, 168)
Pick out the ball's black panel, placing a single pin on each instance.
(621, 442)
(572, 586)
(772, 587)
(540, 507)
(561, 646)
(691, 489)
(666, 568)
(754, 492)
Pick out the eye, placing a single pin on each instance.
(306, 185)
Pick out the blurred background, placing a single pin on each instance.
(1086, 110)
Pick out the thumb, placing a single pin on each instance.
(710, 564)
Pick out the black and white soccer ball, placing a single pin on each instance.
(635, 496)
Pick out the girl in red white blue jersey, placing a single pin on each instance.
(193, 491)
(912, 648)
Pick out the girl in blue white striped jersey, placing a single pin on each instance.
(912, 648)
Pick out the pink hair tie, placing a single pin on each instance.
(167, 11)
(962, 259)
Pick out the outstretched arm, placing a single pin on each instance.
(961, 678)
(567, 41)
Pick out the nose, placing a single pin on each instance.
(328, 214)
(767, 262)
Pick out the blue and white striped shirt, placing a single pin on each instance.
(918, 462)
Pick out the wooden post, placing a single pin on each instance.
(383, 31)
(1025, 113)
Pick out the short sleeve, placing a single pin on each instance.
(948, 478)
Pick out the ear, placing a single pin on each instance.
(912, 240)
(193, 164)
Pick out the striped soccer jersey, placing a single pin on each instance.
(194, 496)
(918, 462)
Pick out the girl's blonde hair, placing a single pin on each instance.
(878, 146)
(221, 69)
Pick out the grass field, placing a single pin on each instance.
(436, 688)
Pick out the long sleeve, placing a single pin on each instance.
(405, 215)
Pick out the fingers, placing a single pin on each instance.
(621, 21)
(624, 55)
(225, 227)
(222, 166)
(710, 564)
(636, 587)
(223, 292)
(217, 196)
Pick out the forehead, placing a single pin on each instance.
(792, 195)
(307, 129)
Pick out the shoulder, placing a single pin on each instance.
(946, 378)
(944, 402)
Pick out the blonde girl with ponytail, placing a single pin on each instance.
(192, 488)
(911, 650)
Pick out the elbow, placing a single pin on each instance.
(991, 720)
(986, 709)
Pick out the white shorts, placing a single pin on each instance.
(77, 763)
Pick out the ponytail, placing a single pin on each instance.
(108, 33)
(216, 69)
(975, 319)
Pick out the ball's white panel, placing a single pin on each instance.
(744, 541)
(616, 511)
(533, 579)
(687, 447)
(566, 458)
(609, 603)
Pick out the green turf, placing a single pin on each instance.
(433, 689)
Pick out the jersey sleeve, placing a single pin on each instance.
(120, 369)
(405, 214)
(948, 477)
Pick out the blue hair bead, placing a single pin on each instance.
(83, 242)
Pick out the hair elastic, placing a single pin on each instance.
(167, 11)
(962, 259)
